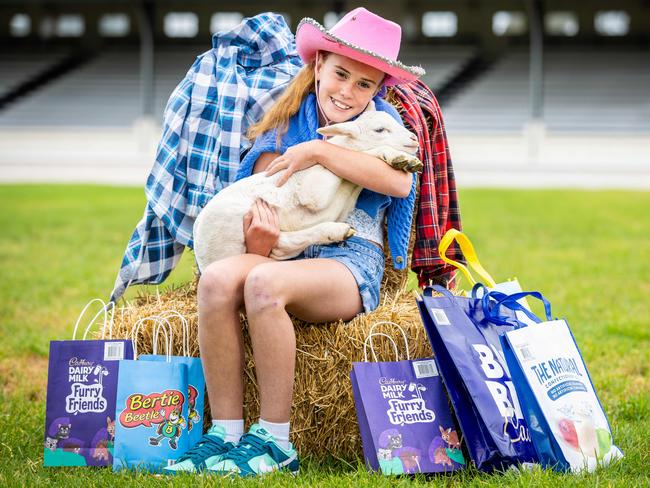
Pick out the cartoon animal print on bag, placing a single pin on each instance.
(450, 437)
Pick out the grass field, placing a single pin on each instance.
(588, 252)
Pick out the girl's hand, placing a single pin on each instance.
(296, 158)
(261, 228)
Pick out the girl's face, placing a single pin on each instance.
(345, 86)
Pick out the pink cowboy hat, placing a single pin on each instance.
(362, 36)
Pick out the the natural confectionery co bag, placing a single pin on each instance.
(570, 430)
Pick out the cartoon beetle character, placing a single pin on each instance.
(171, 429)
(193, 415)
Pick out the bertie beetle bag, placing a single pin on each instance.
(195, 377)
(470, 359)
(81, 390)
(570, 431)
(152, 407)
(404, 418)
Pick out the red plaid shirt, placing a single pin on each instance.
(438, 210)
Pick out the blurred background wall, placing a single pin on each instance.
(534, 92)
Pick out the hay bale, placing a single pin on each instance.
(323, 419)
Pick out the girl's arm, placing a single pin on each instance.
(359, 168)
(263, 161)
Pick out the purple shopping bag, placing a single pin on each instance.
(403, 414)
(81, 392)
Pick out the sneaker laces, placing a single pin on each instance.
(249, 446)
(208, 445)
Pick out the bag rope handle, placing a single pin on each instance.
(372, 349)
(135, 330)
(371, 333)
(107, 322)
(185, 326)
(163, 324)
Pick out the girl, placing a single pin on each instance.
(345, 69)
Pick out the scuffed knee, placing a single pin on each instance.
(263, 291)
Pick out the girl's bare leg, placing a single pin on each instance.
(316, 290)
(220, 297)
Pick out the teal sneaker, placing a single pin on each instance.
(256, 454)
(206, 453)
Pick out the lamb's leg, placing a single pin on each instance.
(290, 244)
(397, 159)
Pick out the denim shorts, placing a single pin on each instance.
(363, 258)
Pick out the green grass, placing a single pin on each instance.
(588, 252)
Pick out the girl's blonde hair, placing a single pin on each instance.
(287, 105)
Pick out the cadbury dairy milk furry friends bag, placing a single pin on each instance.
(470, 359)
(81, 389)
(570, 431)
(403, 414)
(152, 407)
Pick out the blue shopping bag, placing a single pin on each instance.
(195, 377)
(569, 427)
(470, 359)
(151, 410)
(81, 392)
(404, 418)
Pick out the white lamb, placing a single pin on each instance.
(313, 204)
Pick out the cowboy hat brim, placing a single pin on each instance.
(312, 37)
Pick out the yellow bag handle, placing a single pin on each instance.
(470, 255)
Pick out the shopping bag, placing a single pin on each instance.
(152, 407)
(471, 257)
(81, 388)
(195, 377)
(569, 427)
(403, 414)
(470, 360)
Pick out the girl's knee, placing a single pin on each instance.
(263, 290)
(218, 285)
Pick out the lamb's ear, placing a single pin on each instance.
(343, 129)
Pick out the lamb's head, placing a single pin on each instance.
(378, 134)
(371, 130)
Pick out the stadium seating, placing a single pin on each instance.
(19, 66)
(105, 92)
(440, 62)
(585, 90)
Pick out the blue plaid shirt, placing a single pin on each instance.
(225, 91)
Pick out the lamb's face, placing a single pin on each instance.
(383, 130)
(371, 130)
